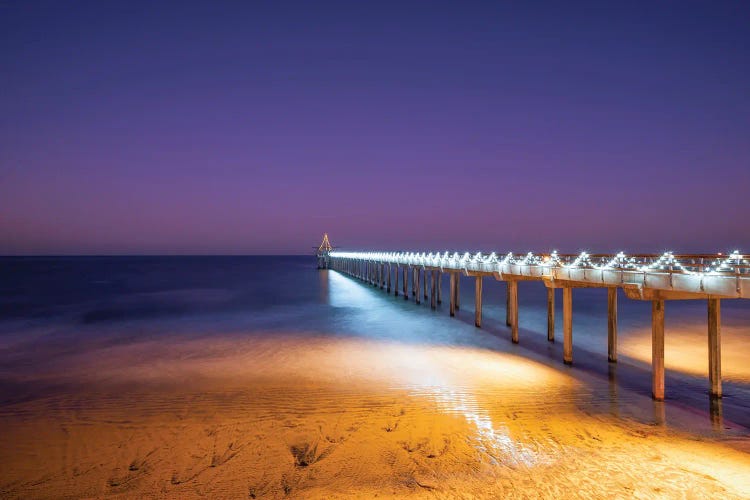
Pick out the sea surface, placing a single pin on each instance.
(70, 322)
(50, 303)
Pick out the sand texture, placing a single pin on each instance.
(289, 416)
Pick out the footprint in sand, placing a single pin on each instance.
(391, 426)
(306, 454)
(229, 453)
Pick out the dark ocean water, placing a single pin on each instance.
(50, 306)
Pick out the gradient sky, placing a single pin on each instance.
(252, 127)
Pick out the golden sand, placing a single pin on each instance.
(315, 417)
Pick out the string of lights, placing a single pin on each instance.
(718, 264)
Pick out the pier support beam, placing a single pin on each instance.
(612, 324)
(507, 303)
(439, 287)
(568, 325)
(478, 301)
(513, 308)
(414, 278)
(418, 292)
(395, 278)
(458, 291)
(424, 284)
(714, 346)
(657, 349)
(389, 279)
(406, 283)
(551, 314)
(716, 410)
(433, 294)
(452, 293)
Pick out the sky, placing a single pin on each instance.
(199, 127)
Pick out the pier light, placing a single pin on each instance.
(666, 261)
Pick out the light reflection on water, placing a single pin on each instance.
(493, 439)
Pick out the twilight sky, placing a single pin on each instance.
(252, 127)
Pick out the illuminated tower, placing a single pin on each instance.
(323, 251)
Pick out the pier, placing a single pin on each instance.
(654, 278)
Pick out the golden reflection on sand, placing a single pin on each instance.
(319, 417)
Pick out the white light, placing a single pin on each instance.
(583, 260)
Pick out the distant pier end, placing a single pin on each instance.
(323, 253)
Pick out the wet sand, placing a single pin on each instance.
(311, 416)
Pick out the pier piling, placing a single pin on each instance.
(657, 349)
(507, 303)
(478, 301)
(568, 325)
(612, 324)
(551, 314)
(439, 287)
(513, 308)
(714, 346)
(452, 293)
(433, 295)
(417, 292)
(458, 291)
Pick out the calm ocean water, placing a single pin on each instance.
(52, 306)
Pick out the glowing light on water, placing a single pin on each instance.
(451, 377)
(495, 440)
(346, 293)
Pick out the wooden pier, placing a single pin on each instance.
(654, 278)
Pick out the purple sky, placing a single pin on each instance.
(253, 127)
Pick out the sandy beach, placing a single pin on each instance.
(314, 417)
